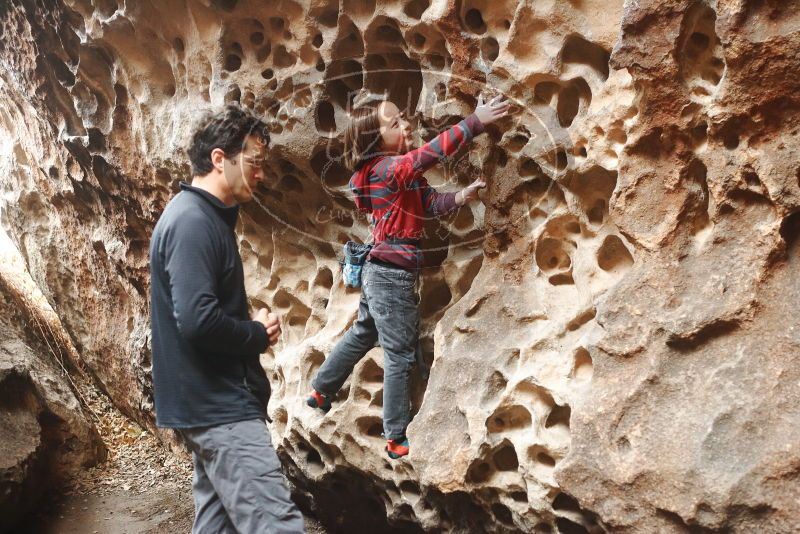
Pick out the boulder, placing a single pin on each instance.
(46, 435)
(611, 333)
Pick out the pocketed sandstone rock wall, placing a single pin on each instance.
(612, 336)
(46, 436)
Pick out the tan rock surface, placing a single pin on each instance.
(46, 436)
(612, 336)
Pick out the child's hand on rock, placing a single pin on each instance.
(491, 111)
(470, 193)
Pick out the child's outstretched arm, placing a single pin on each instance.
(416, 162)
(437, 204)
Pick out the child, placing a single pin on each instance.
(389, 183)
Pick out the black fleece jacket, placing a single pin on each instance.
(206, 368)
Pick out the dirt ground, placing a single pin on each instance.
(161, 510)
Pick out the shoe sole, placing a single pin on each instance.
(394, 455)
(312, 403)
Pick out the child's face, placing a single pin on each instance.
(395, 129)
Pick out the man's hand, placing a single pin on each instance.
(470, 193)
(271, 324)
(491, 111)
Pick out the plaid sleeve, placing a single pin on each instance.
(416, 162)
(435, 203)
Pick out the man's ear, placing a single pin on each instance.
(218, 159)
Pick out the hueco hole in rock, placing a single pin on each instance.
(608, 337)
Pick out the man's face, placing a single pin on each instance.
(245, 170)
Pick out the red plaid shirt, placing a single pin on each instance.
(394, 190)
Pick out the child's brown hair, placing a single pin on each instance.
(362, 137)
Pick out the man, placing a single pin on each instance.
(208, 383)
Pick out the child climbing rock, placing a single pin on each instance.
(388, 183)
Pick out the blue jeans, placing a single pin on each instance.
(387, 314)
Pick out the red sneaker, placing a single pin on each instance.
(396, 448)
(318, 400)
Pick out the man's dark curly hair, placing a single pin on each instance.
(225, 130)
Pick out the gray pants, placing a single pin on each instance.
(238, 485)
(388, 314)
